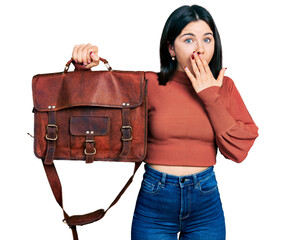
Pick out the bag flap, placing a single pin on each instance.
(115, 89)
(89, 125)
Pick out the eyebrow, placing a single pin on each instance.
(186, 34)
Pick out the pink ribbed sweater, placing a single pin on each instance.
(186, 128)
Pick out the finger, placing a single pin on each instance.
(195, 67)
(199, 63)
(94, 57)
(93, 52)
(95, 60)
(74, 53)
(85, 56)
(94, 49)
(190, 75)
(206, 65)
(92, 64)
(220, 76)
(79, 53)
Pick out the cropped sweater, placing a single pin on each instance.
(186, 128)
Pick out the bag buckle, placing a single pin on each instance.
(57, 129)
(89, 154)
(94, 149)
(126, 139)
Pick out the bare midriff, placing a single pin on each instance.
(177, 170)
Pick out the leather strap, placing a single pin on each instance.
(75, 220)
(51, 136)
(80, 67)
(126, 130)
(74, 232)
(90, 149)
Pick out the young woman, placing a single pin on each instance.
(193, 109)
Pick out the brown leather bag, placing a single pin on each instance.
(89, 116)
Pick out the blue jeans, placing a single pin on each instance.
(169, 204)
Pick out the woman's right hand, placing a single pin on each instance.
(86, 54)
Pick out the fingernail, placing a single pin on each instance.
(194, 52)
(193, 57)
(199, 54)
(76, 61)
(84, 63)
(88, 61)
(91, 53)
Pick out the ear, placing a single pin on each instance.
(171, 49)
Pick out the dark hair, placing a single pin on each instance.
(173, 27)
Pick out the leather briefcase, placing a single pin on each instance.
(89, 116)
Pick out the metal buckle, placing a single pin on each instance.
(126, 139)
(66, 68)
(94, 150)
(89, 154)
(57, 129)
(107, 66)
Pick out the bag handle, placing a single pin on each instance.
(80, 67)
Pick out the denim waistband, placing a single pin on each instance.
(173, 179)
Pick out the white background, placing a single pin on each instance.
(38, 37)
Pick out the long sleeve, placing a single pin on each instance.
(235, 131)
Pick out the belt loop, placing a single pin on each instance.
(163, 179)
(196, 184)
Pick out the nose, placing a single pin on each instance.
(200, 49)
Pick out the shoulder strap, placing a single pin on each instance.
(73, 221)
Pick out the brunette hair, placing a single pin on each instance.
(174, 25)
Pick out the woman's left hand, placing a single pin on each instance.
(203, 76)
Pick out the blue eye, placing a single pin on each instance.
(208, 39)
(188, 40)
